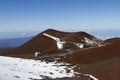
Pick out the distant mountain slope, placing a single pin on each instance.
(15, 42)
(48, 41)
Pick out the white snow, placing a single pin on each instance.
(52, 37)
(80, 45)
(91, 76)
(94, 41)
(27, 69)
(91, 42)
(88, 41)
(60, 44)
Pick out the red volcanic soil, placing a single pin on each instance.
(86, 56)
(92, 55)
(6, 51)
(109, 71)
(44, 44)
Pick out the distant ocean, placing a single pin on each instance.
(103, 34)
(11, 35)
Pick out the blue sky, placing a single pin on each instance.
(35, 15)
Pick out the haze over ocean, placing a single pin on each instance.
(103, 34)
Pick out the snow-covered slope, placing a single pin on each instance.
(27, 69)
(93, 42)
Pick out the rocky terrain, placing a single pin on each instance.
(93, 58)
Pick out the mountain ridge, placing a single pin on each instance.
(45, 44)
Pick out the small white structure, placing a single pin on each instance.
(37, 54)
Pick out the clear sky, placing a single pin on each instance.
(32, 15)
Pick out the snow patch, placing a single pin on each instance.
(80, 45)
(91, 76)
(88, 41)
(95, 41)
(60, 44)
(27, 69)
(52, 37)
